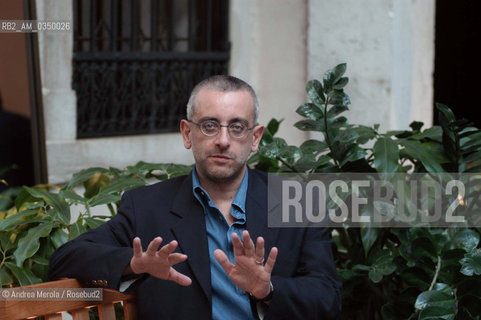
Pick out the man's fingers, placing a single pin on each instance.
(168, 248)
(249, 247)
(153, 246)
(260, 251)
(175, 258)
(271, 260)
(137, 247)
(237, 244)
(179, 278)
(223, 261)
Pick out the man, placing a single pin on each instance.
(218, 259)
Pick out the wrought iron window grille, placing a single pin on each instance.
(136, 61)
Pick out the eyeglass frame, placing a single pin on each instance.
(199, 124)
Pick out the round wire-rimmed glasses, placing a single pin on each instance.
(210, 128)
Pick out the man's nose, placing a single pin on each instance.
(223, 138)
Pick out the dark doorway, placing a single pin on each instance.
(22, 140)
(458, 58)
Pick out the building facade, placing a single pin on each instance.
(276, 46)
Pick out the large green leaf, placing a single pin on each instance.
(94, 223)
(83, 176)
(417, 151)
(311, 111)
(39, 260)
(313, 147)
(10, 223)
(69, 194)
(446, 113)
(334, 111)
(97, 181)
(386, 155)
(23, 197)
(341, 83)
(122, 184)
(383, 265)
(369, 236)
(58, 238)
(471, 263)
(333, 75)
(273, 125)
(309, 125)
(364, 133)
(435, 298)
(436, 313)
(433, 133)
(5, 277)
(466, 239)
(274, 149)
(59, 205)
(352, 154)
(375, 276)
(339, 98)
(103, 198)
(315, 92)
(29, 243)
(290, 154)
(24, 276)
(5, 243)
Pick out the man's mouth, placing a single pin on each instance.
(220, 157)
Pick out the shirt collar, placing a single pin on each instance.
(239, 200)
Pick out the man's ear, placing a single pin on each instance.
(258, 131)
(185, 131)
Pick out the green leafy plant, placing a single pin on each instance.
(387, 273)
(41, 219)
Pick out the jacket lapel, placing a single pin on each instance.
(190, 231)
(260, 202)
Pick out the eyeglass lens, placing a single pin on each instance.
(235, 129)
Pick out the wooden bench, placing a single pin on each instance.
(52, 310)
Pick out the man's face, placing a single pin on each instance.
(221, 158)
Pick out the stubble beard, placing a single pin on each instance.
(217, 173)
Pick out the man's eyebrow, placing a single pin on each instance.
(208, 118)
(238, 119)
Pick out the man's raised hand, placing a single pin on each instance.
(158, 263)
(249, 272)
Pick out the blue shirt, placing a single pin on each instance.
(228, 300)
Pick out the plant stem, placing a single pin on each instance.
(436, 274)
(88, 210)
(287, 165)
(3, 260)
(111, 208)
